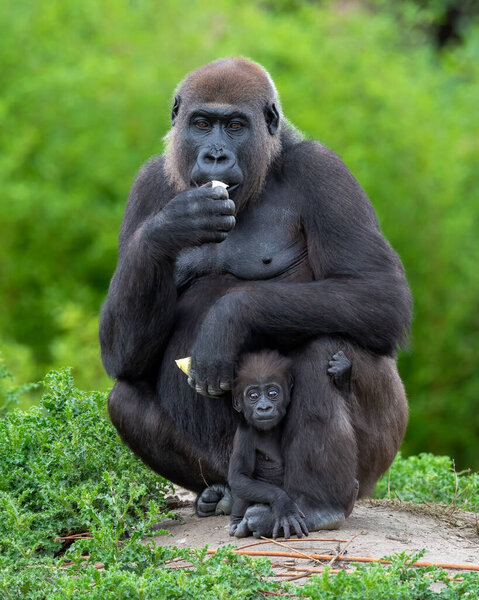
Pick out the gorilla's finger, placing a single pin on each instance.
(275, 529)
(201, 389)
(226, 207)
(203, 514)
(304, 527)
(207, 506)
(242, 530)
(297, 527)
(214, 391)
(214, 493)
(286, 530)
(225, 223)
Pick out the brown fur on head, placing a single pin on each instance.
(263, 367)
(236, 82)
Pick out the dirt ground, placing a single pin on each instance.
(375, 529)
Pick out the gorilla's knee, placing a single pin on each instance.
(117, 404)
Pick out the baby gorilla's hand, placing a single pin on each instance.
(288, 516)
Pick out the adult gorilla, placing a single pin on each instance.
(301, 266)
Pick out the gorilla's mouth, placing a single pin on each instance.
(265, 420)
(231, 187)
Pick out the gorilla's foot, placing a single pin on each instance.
(325, 518)
(214, 500)
(259, 520)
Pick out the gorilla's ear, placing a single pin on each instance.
(237, 398)
(175, 109)
(271, 115)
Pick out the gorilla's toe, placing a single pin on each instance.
(215, 499)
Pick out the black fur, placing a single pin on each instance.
(294, 261)
(262, 394)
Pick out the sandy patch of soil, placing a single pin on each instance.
(375, 529)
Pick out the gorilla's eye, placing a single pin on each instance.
(235, 125)
(253, 395)
(201, 124)
(272, 393)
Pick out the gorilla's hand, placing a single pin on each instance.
(288, 517)
(191, 218)
(217, 346)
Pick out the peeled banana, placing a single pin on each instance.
(215, 183)
(184, 364)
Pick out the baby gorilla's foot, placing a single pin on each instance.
(340, 372)
(214, 500)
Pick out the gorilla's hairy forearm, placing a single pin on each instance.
(138, 314)
(373, 312)
(253, 490)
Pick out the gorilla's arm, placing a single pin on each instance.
(286, 513)
(360, 290)
(139, 311)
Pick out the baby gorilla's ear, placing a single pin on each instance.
(291, 383)
(237, 400)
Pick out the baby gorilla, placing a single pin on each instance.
(262, 393)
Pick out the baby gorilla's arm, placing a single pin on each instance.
(287, 515)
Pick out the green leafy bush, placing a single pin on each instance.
(142, 575)
(64, 470)
(428, 478)
(397, 581)
(62, 465)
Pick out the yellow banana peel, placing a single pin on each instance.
(184, 364)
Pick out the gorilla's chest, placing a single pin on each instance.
(266, 243)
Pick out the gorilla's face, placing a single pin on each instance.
(264, 404)
(218, 138)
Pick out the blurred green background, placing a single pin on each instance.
(85, 97)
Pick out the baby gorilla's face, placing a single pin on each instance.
(265, 404)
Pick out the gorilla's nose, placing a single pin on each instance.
(216, 158)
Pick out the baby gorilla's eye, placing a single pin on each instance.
(272, 393)
(253, 395)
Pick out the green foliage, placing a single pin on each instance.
(141, 575)
(428, 478)
(63, 470)
(86, 92)
(397, 581)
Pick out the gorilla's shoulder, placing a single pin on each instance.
(149, 192)
(307, 155)
(324, 181)
(153, 168)
(151, 183)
